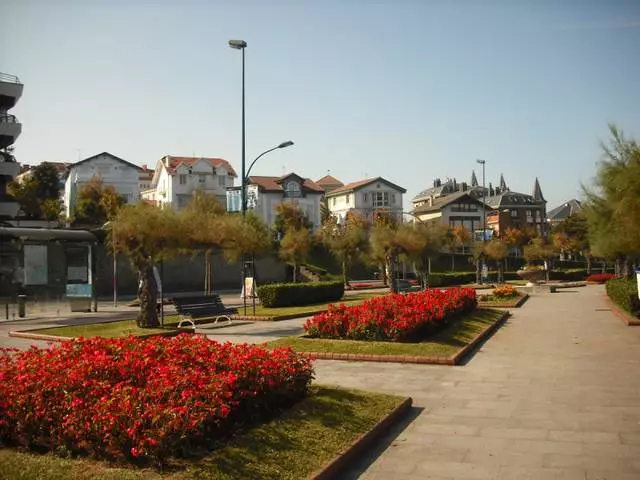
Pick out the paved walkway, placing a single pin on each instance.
(554, 394)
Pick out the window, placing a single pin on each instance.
(334, 201)
(365, 197)
(222, 181)
(348, 199)
(183, 179)
(393, 198)
(381, 199)
(292, 190)
(514, 213)
(202, 178)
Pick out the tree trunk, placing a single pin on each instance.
(344, 273)
(478, 271)
(147, 293)
(383, 274)
(453, 261)
(295, 270)
(388, 266)
(589, 265)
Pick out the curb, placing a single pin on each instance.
(516, 304)
(451, 361)
(58, 338)
(276, 318)
(486, 333)
(622, 314)
(344, 459)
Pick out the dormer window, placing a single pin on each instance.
(292, 189)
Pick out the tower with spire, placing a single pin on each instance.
(503, 184)
(537, 192)
(474, 180)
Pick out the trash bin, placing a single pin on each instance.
(22, 305)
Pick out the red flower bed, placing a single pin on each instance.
(392, 317)
(141, 399)
(600, 277)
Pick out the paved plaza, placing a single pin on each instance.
(554, 394)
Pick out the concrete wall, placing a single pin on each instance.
(183, 274)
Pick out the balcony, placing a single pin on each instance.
(10, 129)
(9, 169)
(10, 91)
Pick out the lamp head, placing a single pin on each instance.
(481, 162)
(237, 44)
(285, 144)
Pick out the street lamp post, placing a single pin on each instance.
(484, 208)
(242, 45)
(245, 179)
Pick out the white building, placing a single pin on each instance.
(367, 197)
(176, 179)
(265, 193)
(145, 178)
(123, 176)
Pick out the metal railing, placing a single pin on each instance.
(5, 77)
(8, 118)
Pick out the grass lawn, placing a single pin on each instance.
(121, 328)
(294, 445)
(445, 343)
(352, 299)
(501, 302)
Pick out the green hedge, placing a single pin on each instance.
(624, 292)
(291, 294)
(451, 278)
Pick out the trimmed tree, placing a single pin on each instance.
(346, 241)
(497, 250)
(209, 229)
(97, 203)
(147, 235)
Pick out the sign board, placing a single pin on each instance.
(249, 287)
(35, 265)
(79, 290)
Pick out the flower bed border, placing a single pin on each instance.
(622, 314)
(275, 318)
(59, 338)
(453, 360)
(354, 451)
(507, 304)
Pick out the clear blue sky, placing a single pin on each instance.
(409, 90)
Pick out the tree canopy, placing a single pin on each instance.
(97, 203)
(39, 193)
(612, 209)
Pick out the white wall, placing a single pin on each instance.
(267, 203)
(177, 189)
(122, 177)
(362, 200)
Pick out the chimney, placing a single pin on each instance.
(464, 186)
(455, 185)
(144, 167)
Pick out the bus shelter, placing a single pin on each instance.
(47, 266)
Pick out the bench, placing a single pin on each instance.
(403, 286)
(193, 307)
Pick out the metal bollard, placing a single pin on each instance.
(22, 305)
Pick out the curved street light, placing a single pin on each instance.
(282, 145)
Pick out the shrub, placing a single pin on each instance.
(600, 277)
(624, 292)
(290, 294)
(505, 291)
(392, 317)
(141, 399)
(454, 278)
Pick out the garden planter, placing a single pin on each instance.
(532, 276)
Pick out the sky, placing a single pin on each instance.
(408, 90)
